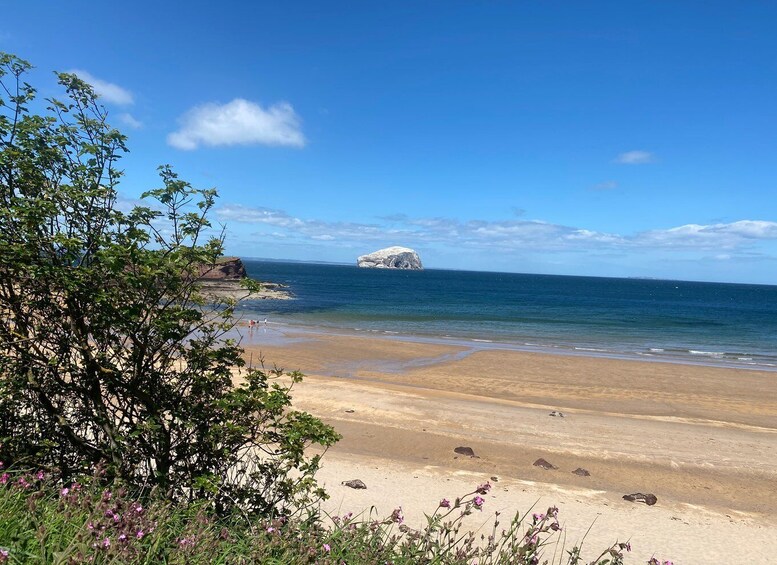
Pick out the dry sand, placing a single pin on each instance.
(702, 439)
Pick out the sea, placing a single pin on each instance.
(719, 324)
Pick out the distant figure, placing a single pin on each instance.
(265, 321)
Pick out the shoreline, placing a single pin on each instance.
(477, 344)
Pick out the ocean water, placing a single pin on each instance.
(695, 322)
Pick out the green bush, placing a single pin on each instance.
(109, 354)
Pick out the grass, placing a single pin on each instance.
(42, 521)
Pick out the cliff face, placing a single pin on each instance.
(225, 269)
(391, 258)
(222, 281)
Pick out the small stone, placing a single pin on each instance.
(495, 479)
(649, 499)
(465, 451)
(544, 464)
(555, 413)
(350, 411)
(580, 472)
(355, 483)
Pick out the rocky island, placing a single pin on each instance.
(222, 280)
(391, 258)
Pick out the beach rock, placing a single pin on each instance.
(580, 472)
(391, 258)
(465, 451)
(224, 269)
(559, 414)
(355, 483)
(649, 499)
(544, 464)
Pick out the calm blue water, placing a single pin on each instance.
(728, 324)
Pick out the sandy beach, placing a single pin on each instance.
(702, 439)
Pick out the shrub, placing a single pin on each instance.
(109, 354)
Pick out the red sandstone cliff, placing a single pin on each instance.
(225, 269)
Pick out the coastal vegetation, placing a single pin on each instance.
(130, 429)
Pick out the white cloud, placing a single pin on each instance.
(635, 158)
(239, 122)
(508, 235)
(130, 120)
(248, 215)
(713, 236)
(108, 91)
(754, 229)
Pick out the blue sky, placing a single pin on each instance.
(594, 138)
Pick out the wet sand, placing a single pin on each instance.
(702, 439)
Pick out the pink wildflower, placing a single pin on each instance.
(484, 488)
(40, 475)
(3, 555)
(327, 548)
(122, 537)
(106, 543)
(445, 503)
(64, 492)
(270, 530)
(4, 478)
(396, 516)
(187, 542)
(140, 534)
(479, 500)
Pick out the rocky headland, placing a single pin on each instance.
(391, 258)
(223, 278)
